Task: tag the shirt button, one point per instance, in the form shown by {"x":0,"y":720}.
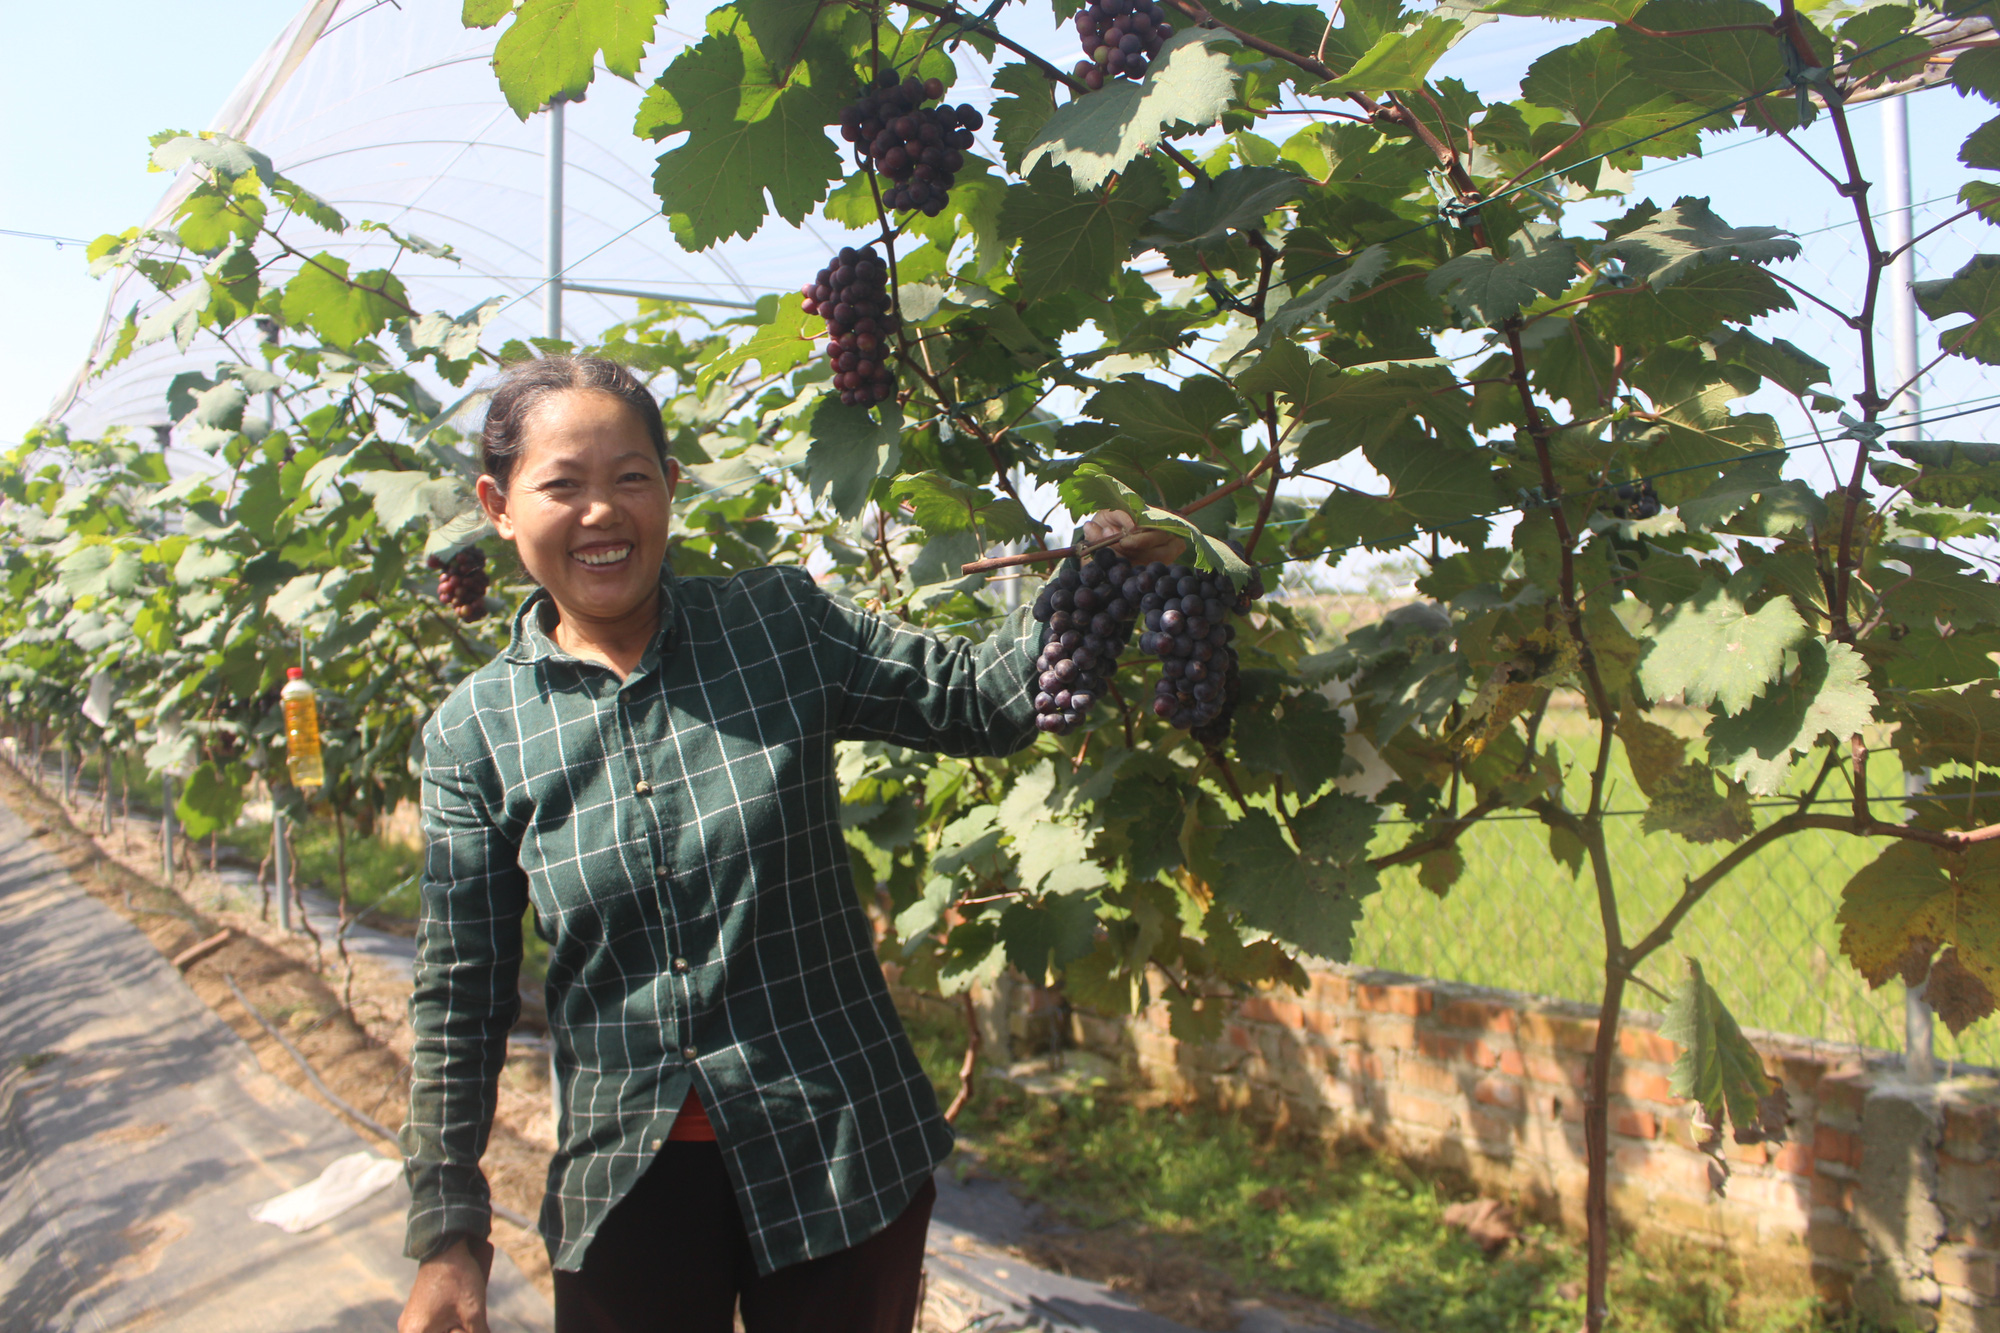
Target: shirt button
{"x":680,"y":964}
{"x":643,"y":789}
{"x":660,"y":871}
{"x":689,"y":1052}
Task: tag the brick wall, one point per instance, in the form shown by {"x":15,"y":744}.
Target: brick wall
{"x":1885,"y":1194}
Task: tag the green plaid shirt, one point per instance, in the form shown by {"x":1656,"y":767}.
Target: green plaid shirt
{"x":678,"y":833}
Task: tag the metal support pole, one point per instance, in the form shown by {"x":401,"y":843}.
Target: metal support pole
{"x":167,"y":828}
{"x":281,"y":861}
{"x":553,"y":264}
{"x":1919,"y":1064}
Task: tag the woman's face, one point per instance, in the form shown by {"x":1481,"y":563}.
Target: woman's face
{"x":587,"y":508}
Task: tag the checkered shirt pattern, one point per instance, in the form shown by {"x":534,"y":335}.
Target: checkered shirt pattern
{"x":678,"y":833}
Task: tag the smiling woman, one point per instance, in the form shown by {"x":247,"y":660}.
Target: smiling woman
{"x":578,"y":478}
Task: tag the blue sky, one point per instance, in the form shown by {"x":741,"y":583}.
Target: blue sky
{"x":86,"y":85}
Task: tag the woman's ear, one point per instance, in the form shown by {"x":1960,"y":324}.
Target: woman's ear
{"x":494,"y":501}
{"x":673,"y":479}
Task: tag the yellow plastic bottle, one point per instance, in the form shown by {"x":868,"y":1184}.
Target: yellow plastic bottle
{"x":302,"y":757}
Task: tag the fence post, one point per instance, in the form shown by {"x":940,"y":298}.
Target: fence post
{"x":1919,"y":1065}
{"x":281,"y":857}
{"x":167,"y":828}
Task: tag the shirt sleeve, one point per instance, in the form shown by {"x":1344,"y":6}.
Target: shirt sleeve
{"x":919,"y":689}
{"x":465,"y":1000}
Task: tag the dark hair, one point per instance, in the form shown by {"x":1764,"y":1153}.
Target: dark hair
{"x":521,"y":389}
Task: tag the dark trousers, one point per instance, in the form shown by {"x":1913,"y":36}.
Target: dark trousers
{"x":673,"y":1257}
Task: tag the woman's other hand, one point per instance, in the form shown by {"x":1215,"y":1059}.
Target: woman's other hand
{"x":1139,"y":546}
{"x":449,"y":1295}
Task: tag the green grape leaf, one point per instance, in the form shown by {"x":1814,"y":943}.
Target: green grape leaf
{"x":343,"y":310}
{"x":484,"y":13}
{"x":1368,"y":268}
{"x":1310,"y":898}
{"x":942,"y":504}
{"x":1096,"y":134}
{"x":1681,"y":797}
{"x":1902,"y":907}
{"x":1827,"y":692}
{"x":208,"y":802}
{"x":1777,"y":360}
{"x":1399,"y":61}
{"x":1208,"y":210}
{"x":1981,"y":148}
{"x":1921,"y":587}
{"x":1302,"y":739}
{"x":226,"y":158}
{"x":1672,"y":243}
{"x":1715,"y":68}
{"x":1040,"y":938}
{"x":99,"y":571}
{"x":784,"y":338}
{"x":1487,"y":291}
{"x":1054,"y":857}
{"x":1717,"y":1067}
{"x":210,"y":219}
{"x":1959,"y":725}
{"x":849,"y":451}
{"x":1712,"y":649}
{"x":1368,"y":403}
{"x":1019,"y":118}
{"x":1597,"y":11}
{"x":1171,"y":420}
{"x":1974,"y":290}
{"x":1977,"y":73}
{"x":551,"y":48}
{"x":401,"y":498}
{"x":1069,"y":241}
{"x":748,"y":132}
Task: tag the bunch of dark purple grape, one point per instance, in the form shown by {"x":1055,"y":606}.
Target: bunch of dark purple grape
{"x":1120,"y":38}
{"x":1636,"y":500}
{"x":462,"y":582}
{"x":1089,"y":607}
{"x":919,"y":148}
{"x":1187,"y":629}
{"x":852,"y":295}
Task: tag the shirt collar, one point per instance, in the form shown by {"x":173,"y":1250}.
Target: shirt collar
{"x":532,"y":640}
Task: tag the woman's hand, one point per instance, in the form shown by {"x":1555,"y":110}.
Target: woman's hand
{"x":449,"y":1295}
{"x":1138,"y":547}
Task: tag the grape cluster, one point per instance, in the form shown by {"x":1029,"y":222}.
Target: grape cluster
{"x":1187,"y":629}
{"x":852,"y":295}
{"x":1120,"y":37}
{"x":1636,"y":500}
{"x":462,"y":582}
{"x":920,"y":148}
{"x":1089,"y":607}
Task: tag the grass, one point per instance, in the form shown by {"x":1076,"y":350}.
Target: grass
{"x":1766,"y":936}
{"x":1350,"y":1228}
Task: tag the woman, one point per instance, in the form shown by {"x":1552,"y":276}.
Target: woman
{"x":650,"y":764}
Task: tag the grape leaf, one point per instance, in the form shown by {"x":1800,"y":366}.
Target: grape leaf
{"x":1923,"y":587}
{"x":1974,"y":290}
{"x":343,"y":310}
{"x":403,"y":497}
{"x":484,"y":13}
{"x":1717,"y":1067}
{"x":1018,"y":118}
{"x":1070,"y":242}
{"x":1212,"y":207}
{"x":225,"y":157}
{"x":551,"y":48}
{"x":1399,"y":61}
{"x":1716,"y":68}
{"x":1311,"y":898}
{"x":1041,"y":937}
{"x":1096,"y":134}
{"x":1900,"y":908}
{"x":1486,"y":291}
{"x":1172,"y":420}
{"x":1368,"y":268}
{"x":1305,"y":744}
{"x":943,"y":504}
{"x":1599,"y":11}
{"x":849,"y":451}
{"x":748,"y":132}
{"x":1961,"y":725}
{"x":97,"y":571}
{"x":209,"y":801}
{"x":784,"y":338}
{"x":1826,"y":692}
{"x":1711,"y":649}
{"x":1981,"y":148}
{"x":1670,"y":245}
{"x":1368,"y":402}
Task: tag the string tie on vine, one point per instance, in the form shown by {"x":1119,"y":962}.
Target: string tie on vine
{"x":1868,"y":433}
{"x":1805,"y":80}
{"x":1534,"y":497}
